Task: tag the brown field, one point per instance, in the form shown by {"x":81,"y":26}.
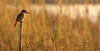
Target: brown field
{"x":45,"y":31}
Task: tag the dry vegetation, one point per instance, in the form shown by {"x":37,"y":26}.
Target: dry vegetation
{"x":45,"y":31}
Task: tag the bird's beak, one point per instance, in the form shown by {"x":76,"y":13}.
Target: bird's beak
{"x":28,"y":13}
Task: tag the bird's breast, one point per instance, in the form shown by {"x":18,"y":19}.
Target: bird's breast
{"x":24,"y":15}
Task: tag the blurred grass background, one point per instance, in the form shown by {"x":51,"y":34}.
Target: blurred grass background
{"x":46,"y":31}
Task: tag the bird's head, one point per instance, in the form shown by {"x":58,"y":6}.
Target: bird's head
{"x":24,"y":11}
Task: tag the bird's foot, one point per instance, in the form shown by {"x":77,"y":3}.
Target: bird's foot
{"x":21,"y":21}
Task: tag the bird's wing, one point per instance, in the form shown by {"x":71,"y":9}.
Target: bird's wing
{"x":19,"y":15}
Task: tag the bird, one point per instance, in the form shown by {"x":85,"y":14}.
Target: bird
{"x":21,"y":16}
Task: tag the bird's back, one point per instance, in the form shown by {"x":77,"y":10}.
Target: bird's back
{"x":20,"y":17}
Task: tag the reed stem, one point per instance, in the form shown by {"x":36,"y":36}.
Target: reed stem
{"x":20,"y":32}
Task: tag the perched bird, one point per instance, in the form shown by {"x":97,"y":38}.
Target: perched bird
{"x":21,"y":16}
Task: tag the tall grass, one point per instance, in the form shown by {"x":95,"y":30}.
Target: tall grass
{"x":45,"y":31}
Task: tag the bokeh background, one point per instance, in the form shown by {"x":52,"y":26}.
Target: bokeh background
{"x":54,"y":25}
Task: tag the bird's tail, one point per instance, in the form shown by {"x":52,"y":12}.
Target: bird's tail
{"x":15,"y":24}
